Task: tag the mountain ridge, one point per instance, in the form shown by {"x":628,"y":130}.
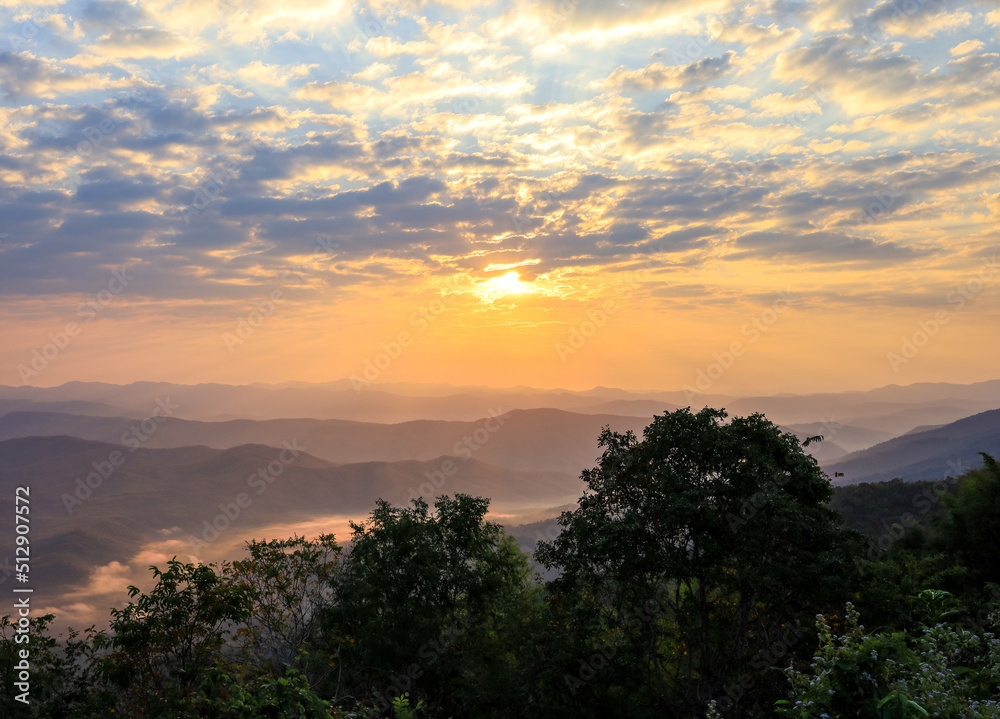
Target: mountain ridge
{"x":932,"y":454}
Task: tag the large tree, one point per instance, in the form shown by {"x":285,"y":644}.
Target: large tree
{"x":163,"y":644}
{"x":695,"y":556}
{"x":427,"y":603}
{"x":971,"y":526}
{"x":293,"y":581}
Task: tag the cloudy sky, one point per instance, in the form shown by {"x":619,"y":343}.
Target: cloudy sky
{"x":783,"y":195}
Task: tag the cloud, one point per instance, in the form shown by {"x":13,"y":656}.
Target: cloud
{"x":385,"y":47}
{"x":657,"y":76}
{"x":341,"y":95}
{"x":143,"y":42}
{"x":860,"y":77}
{"x":274,"y":75}
{"x":435,"y":140}
{"x":779,"y":105}
{"x":759,"y":42}
{"x":22,"y":74}
{"x":923,"y":19}
{"x":596,"y":23}
{"x":964,"y":48}
{"x":253,"y":21}
{"x":820,"y":247}
{"x":112,"y":15}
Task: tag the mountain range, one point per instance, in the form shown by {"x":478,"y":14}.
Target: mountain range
{"x":892,"y":409}
{"x":538,"y":439}
{"x":94,"y":503}
{"x":934,"y":453}
{"x":185,"y":457}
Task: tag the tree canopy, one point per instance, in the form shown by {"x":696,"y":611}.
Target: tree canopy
{"x":704,"y":573}
{"x":700,"y":545}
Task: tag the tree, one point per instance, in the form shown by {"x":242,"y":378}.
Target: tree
{"x":970,"y":529}
{"x":163,"y":645}
{"x":59,"y":673}
{"x":939,"y":669}
{"x":292,"y":581}
{"x":422,"y":595}
{"x":695,"y":561}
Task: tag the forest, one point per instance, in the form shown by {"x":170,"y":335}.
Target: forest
{"x":709,"y":570}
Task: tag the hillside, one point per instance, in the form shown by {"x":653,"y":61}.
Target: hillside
{"x":932,"y":454}
{"x":892,"y":409}
{"x":527,"y":440}
{"x":156,"y":495}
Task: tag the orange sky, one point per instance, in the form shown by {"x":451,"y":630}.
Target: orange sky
{"x":555,"y":194}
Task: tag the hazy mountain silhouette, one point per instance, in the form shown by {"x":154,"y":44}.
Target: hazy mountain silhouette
{"x":335,"y":400}
{"x":630,"y":407}
{"x":891,"y":409}
{"x":94,"y":409}
{"x":931,"y":454}
{"x":539,"y":439}
{"x":157,"y":493}
{"x":844,"y":438}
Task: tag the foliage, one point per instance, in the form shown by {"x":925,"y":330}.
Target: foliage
{"x":264,"y":697}
{"x":687,"y":583}
{"x":61,"y":677}
{"x":401,"y":708}
{"x":292,"y":581}
{"x":698,"y":546}
{"x":163,"y":644}
{"x":970,"y":529}
{"x":943,"y":670}
{"x":420,"y":591}
{"x":883,"y":509}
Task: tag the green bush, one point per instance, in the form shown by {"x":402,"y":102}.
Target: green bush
{"x":942,"y":670}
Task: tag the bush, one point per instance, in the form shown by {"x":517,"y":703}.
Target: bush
{"x":944,"y":670}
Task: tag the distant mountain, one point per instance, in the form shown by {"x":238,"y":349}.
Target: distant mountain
{"x":536,"y":439}
{"x":932,"y":454}
{"x":924,"y":428}
{"x":94,"y":409}
{"x":630,"y":408}
{"x":336,"y":400}
{"x":846,"y":438}
{"x":892,"y":409}
{"x":18,"y":424}
{"x":897,"y":420}
{"x":892,"y":417}
{"x":825,"y":451}
{"x":988,"y":391}
{"x":156,"y":494}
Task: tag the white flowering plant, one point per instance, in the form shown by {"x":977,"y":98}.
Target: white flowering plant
{"x":940,"y":670}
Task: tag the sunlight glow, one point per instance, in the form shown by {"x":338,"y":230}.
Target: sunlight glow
{"x":506,"y":284}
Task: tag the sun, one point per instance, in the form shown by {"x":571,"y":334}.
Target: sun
{"x":507,"y":284}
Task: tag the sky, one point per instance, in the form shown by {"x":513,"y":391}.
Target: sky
{"x":764,"y":197}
